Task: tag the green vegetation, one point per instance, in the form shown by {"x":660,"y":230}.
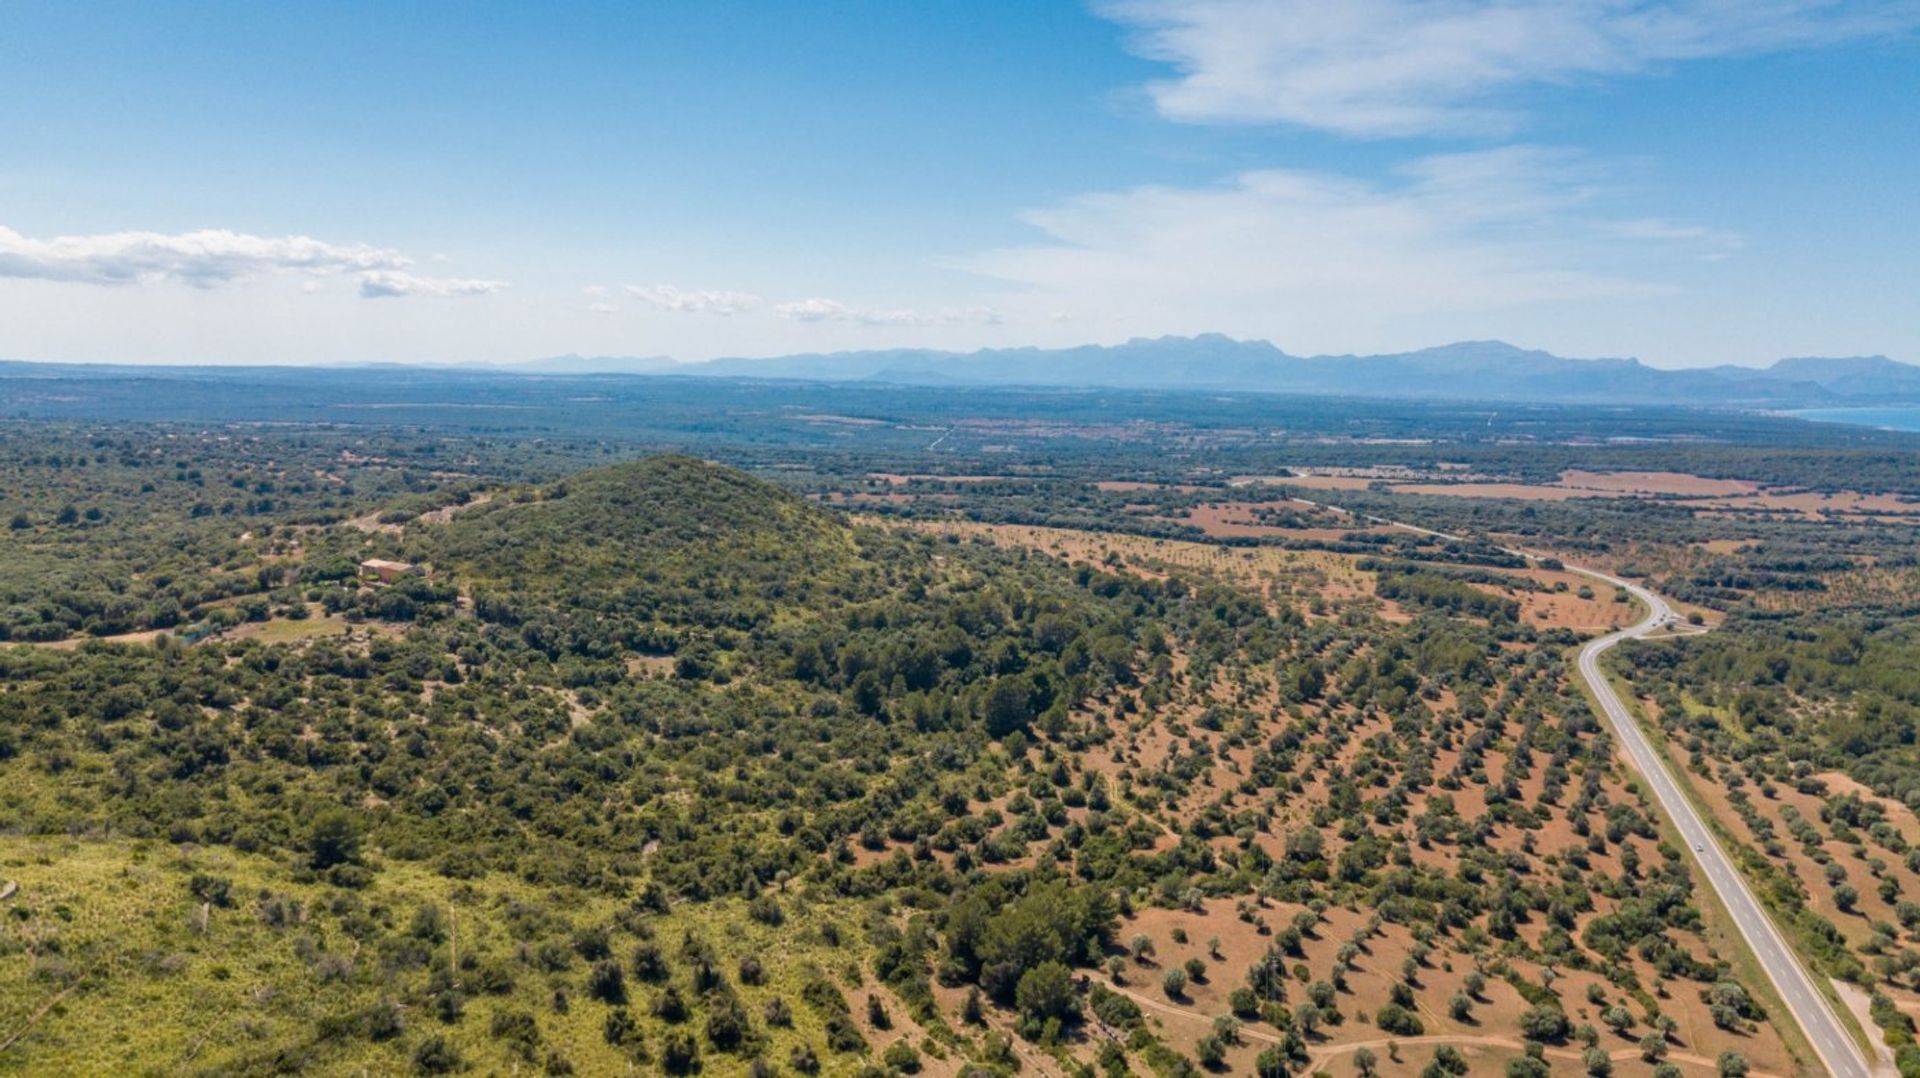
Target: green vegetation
{"x":662,"y":766}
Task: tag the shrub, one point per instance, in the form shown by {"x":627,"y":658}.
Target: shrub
{"x":606,"y":983}
{"x":1399,"y":1021}
{"x":678,"y":1053}
{"x":1543,"y":1023}
{"x":435,"y":1056}
{"x":902,"y":1057}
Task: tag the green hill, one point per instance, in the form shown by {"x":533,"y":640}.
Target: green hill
{"x":664,"y":540}
{"x":613,"y":525}
{"x":489,"y":841}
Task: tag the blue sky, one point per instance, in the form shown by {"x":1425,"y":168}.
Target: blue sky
{"x":1689,"y":181}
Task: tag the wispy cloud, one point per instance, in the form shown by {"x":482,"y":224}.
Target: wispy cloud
{"x":387,"y":284}
{"x":813,"y":309}
{"x":1286,"y":253}
{"x":1710,"y":244}
{"x":1383,"y":68}
{"x":818,"y":309}
{"x":695,"y":301}
{"x":208,"y":258}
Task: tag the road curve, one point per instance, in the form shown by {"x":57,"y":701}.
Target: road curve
{"x":1838,"y":1052}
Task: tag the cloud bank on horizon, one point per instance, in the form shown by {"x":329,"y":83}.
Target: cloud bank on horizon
{"x":1342,"y":177}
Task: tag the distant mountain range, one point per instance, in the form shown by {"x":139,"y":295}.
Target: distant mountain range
{"x":1467,"y":371}
{"x":1470,"y":370}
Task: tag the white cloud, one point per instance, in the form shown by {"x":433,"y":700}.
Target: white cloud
{"x":1380,"y":68}
{"x":695,"y":301}
{"x":1295,"y":254}
{"x":203,"y":259}
{"x":817,"y":309}
{"x":814,"y":309}
{"x":386,"y":284}
{"x":210,"y":257}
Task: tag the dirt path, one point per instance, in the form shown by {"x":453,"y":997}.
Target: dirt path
{"x":142,"y":636}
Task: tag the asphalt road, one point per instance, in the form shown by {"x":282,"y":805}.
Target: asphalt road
{"x":1837,"y":1051}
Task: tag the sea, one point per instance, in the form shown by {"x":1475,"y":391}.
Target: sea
{"x":1884,"y":418}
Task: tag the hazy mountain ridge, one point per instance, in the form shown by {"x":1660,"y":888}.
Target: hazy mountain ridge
{"x":1467,"y":370}
{"x":1463,"y":371}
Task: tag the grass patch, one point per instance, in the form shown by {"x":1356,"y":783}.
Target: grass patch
{"x":303,"y":974}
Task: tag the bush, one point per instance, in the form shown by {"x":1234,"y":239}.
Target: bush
{"x":435,"y":1056}
{"x":678,"y":1053}
{"x":902,"y":1057}
{"x":1546,"y":1024}
{"x":606,"y":983}
{"x":1399,"y":1021}
{"x":727,"y":1022}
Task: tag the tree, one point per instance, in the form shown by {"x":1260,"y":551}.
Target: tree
{"x":1307,"y":1019}
{"x":1364,"y":1061}
{"x":1271,"y":1063}
{"x":1399,"y":1021}
{"x":334,"y":839}
{"x":1544,"y":1024}
{"x":1046,"y":991}
{"x":1175,"y":982}
{"x":1732,"y":1065}
{"x":1009,"y":706}
{"x":1305,"y":844}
